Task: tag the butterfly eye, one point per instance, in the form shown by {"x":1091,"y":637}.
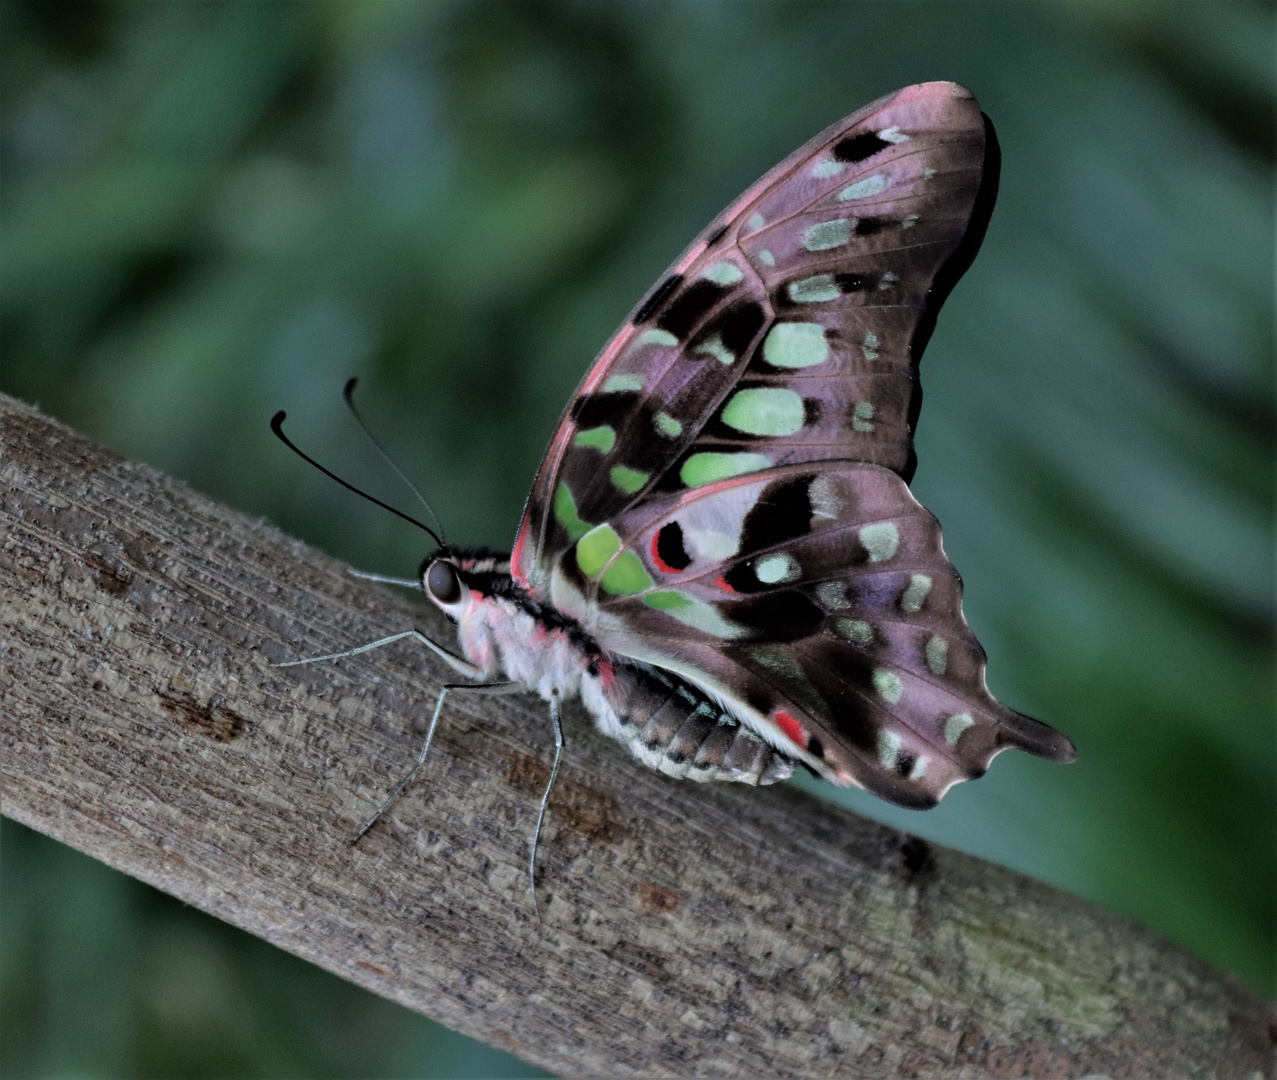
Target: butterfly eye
{"x":443,"y":583}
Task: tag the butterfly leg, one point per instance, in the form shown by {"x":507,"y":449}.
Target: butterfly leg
{"x":460,"y":666}
{"x":482,"y":688}
{"x":403,"y":583}
{"x":545,"y":801}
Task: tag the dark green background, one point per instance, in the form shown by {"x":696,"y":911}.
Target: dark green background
{"x":212,"y":211}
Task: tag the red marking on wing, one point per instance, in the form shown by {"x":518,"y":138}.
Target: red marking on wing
{"x":661,"y":564}
{"x":721,"y":582}
{"x":517,"y":569}
{"x":791,"y":727}
{"x":607,"y":675}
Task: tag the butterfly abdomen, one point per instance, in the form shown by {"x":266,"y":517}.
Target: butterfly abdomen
{"x":673,"y":728}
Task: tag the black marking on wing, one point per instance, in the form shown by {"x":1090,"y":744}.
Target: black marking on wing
{"x":779,"y":615}
{"x":570,"y":570}
{"x":613,"y":408}
{"x":738,"y":326}
{"x":867,"y":226}
{"x":742,"y":579}
{"x":692,"y":305}
{"x":858,"y":147}
{"x":851,"y":718}
{"x":659,"y":295}
{"x":850,"y":283}
{"x":716,"y":236}
{"x":670,"y":549}
{"x":783,"y":511}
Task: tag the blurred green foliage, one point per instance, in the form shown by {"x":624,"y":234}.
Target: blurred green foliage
{"x":214,"y":210}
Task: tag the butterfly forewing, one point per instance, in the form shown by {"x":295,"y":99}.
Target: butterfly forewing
{"x":726,"y":497}
{"x":784,"y":333}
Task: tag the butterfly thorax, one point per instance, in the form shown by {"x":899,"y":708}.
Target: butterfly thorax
{"x":504,"y":631}
{"x":669,"y":724}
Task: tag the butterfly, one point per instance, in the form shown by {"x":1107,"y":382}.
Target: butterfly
{"x":721,"y":555}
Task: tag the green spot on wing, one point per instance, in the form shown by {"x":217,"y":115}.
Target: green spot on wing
{"x":692,"y":612}
{"x":599,"y":438}
{"x":595,"y":548}
{"x":626,"y":575}
{"x":723,"y":273}
{"x":857,"y":631}
{"x":824,"y":169}
{"x":706,"y":468}
{"x":774,"y":569}
{"x":796,"y":345}
{"x":619,"y":383}
{"x":814,"y":290}
{"x":955,"y":725}
{"x":827,"y":234}
{"x":881,"y":540}
{"x":765,"y":410}
{"x":565,"y":513}
{"x":666,"y":425}
{"x":937,"y":654}
{"x":888,"y":748}
{"x":862,"y":189}
{"x":656,"y":337}
{"x":667,"y":601}
{"x":627,"y":479}
{"x":833,"y":594}
{"x":713,"y":346}
{"x":915,"y":592}
{"x":888,"y":685}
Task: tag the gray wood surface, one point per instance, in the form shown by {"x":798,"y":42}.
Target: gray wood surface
{"x":688,"y":929}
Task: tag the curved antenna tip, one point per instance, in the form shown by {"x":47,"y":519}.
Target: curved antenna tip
{"x":348,"y":394}
{"x":277,"y":426}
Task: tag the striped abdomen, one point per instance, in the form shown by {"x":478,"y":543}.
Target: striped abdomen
{"x":674,"y":728}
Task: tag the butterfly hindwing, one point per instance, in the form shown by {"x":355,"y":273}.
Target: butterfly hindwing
{"x":817,"y":600}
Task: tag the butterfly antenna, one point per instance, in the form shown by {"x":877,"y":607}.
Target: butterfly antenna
{"x":277,"y":426}
{"x":348,"y":393}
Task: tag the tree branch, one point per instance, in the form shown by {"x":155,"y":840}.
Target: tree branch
{"x":688,"y":929}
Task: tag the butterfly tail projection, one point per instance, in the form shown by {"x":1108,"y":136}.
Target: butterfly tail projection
{"x":1034,"y":737}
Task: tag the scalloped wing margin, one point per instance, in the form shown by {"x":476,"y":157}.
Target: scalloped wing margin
{"x":817,"y":605}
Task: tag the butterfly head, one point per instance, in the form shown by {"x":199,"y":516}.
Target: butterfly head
{"x":441,"y":581}
{"x":452,"y":579}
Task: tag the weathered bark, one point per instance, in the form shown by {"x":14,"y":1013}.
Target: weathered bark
{"x":688,"y":929}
